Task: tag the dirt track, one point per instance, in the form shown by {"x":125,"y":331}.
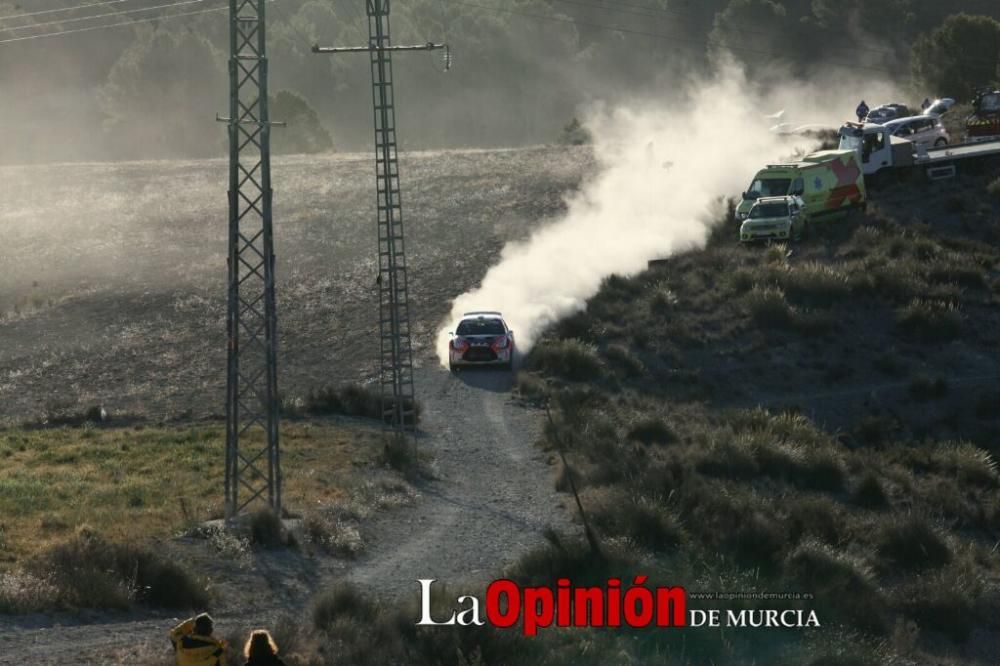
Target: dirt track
{"x":493,"y":496}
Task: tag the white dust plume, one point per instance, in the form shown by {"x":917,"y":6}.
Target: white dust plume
{"x":660,"y":167}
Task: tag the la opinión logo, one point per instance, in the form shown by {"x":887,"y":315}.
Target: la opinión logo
{"x":636,"y":605}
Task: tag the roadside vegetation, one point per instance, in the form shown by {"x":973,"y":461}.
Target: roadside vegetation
{"x":90,"y":511}
{"x":815,"y":418}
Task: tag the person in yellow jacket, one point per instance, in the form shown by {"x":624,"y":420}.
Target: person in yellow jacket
{"x":194,"y":644}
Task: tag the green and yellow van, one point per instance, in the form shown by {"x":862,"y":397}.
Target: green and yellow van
{"x":830,"y":183}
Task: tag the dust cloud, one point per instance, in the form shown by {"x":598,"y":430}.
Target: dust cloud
{"x":660,"y":167}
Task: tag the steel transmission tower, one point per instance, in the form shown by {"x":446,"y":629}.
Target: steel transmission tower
{"x":395,"y":364}
{"x":253,"y":469}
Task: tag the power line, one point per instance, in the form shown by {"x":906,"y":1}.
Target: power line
{"x":97,"y":16}
{"x":61,"y":9}
{"x":113,"y":25}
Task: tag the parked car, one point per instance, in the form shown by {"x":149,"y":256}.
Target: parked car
{"x":926,"y":131}
{"x":775,"y":218}
{"x":939,"y":107}
{"x":886,"y":112}
{"x":481,"y":339}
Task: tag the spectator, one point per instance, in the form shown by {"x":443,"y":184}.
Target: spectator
{"x":261,"y":650}
{"x":925,"y":104}
{"x":194,"y":644}
{"x":862,"y":111}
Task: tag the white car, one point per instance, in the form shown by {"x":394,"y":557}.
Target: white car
{"x":775,"y":218}
{"x":481,"y":339}
{"x":939,"y":107}
{"x":926,"y":131}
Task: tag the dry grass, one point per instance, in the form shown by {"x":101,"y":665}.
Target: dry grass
{"x":130,"y":484}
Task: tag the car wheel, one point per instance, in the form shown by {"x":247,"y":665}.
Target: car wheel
{"x":941,"y":142}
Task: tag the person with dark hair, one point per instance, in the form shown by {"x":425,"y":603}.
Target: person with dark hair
{"x":261,"y":650}
{"x":194,"y":644}
{"x":861,"y":111}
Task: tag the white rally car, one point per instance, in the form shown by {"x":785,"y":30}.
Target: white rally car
{"x":481,"y":339}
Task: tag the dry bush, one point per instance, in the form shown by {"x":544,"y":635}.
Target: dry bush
{"x":266,"y":530}
{"x":814,"y":284}
{"x":843,"y":584}
{"x":769,"y":309}
{"x":89,"y":572}
{"x":572,"y":360}
{"x":929,"y":321}
{"x":911,"y":545}
{"x":869,"y":493}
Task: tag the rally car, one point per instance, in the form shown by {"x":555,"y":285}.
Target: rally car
{"x":481,"y":339}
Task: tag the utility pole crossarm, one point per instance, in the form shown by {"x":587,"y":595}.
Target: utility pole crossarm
{"x":429,"y":46}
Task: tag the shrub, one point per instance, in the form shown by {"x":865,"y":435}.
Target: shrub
{"x":911,"y":545}
{"x":400,"y":453}
{"x":572,"y":360}
{"x":266,"y":529}
{"x":624,"y":359}
{"x":640,"y":520}
{"x":970,"y":464}
{"x":652,"y":430}
{"x":869,"y":493}
{"x":90,"y":572}
{"x":340,"y":602}
{"x":929,"y":321}
{"x":531,"y":388}
{"x":839,"y":581}
{"x":957,"y":271}
{"x":768,"y":308}
{"x":816,"y":285}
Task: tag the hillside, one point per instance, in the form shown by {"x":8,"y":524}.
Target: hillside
{"x":820,"y":418}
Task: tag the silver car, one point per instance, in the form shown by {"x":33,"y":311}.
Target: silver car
{"x":926,"y":131}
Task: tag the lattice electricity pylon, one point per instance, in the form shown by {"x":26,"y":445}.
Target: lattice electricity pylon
{"x":395,"y":363}
{"x":253,"y":469}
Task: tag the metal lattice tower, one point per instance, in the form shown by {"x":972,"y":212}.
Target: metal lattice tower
{"x":253,"y":468}
{"x":395,"y":361}
{"x":395,"y":365}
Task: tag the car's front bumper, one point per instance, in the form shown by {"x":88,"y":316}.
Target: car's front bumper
{"x":771,"y":232}
{"x":478,"y":356}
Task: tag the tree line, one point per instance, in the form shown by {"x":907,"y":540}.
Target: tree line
{"x":521,"y":68}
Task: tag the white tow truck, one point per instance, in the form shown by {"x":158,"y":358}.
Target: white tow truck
{"x":881,"y":153}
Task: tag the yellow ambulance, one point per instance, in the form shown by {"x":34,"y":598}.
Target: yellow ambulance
{"x":829,"y":182}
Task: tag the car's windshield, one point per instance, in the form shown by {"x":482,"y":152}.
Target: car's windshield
{"x":484,"y":326}
{"x":768,"y":187}
{"x":989,"y":103}
{"x":769,"y":210}
{"x":937,"y":108}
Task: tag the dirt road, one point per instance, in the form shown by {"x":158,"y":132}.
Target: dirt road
{"x":492,"y":496}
